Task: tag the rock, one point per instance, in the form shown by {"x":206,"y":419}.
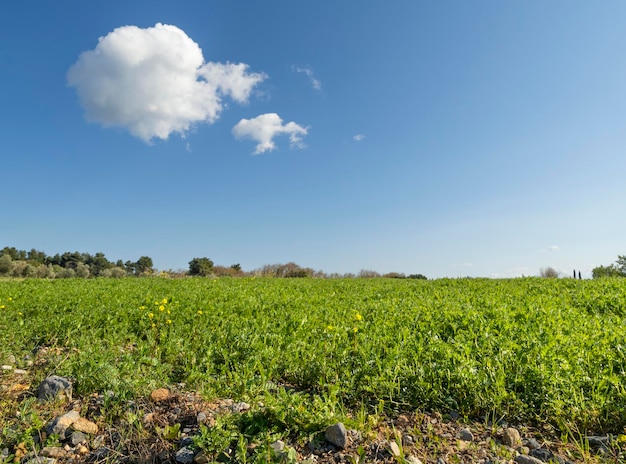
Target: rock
{"x":148,"y":418}
{"x":53,"y":452}
{"x":41,"y":460}
{"x":84,"y":425}
{"x":278,"y":446}
{"x":11,"y":359}
{"x":201,"y":458}
{"x":184,"y":456}
{"x":82,"y":449}
{"x":511,"y":437}
{"x":597,"y":441}
{"x":239,"y":407}
{"x":77,"y":438}
{"x":6,"y":367}
{"x":541,"y":453}
{"x":394,"y":449}
{"x":19,"y":371}
{"x":523,"y":459}
{"x":54,"y":387}
{"x":160,"y":394}
{"x":466,"y":435}
{"x":533,"y":444}
{"x":408,"y":440}
{"x":413,"y":460}
{"x":523,"y":450}
{"x":337,"y":435}
{"x":201,"y":418}
{"x":60,"y":425}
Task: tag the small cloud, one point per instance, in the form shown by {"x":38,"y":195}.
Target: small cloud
{"x":463,"y":265}
{"x":358,"y":137}
{"x":154,"y":82}
{"x":317,"y":85}
{"x":550,"y":248}
{"x":265,"y":127}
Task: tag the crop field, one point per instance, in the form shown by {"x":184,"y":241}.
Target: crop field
{"x":542,"y":351}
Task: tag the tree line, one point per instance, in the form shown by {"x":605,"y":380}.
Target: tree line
{"x":617,"y":269}
{"x":36,"y":263}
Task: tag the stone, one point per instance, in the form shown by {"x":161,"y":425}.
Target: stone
{"x":542,"y":454}
{"x":466,"y":435}
{"x":533,"y":444}
{"x":201,"y":418}
{"x":408,"y":440}
{"x":84,"y":425}
{"x":511,"y":437}
{"x":77,"y":438}
{"x":6,"y":367}
{"x":53,"y":452}
{"x":278,"y":446}
{"x":523,"y":459}
{"x":413,"y":460}
{"x":337,"y":435}
{"x":54,"y":387}
{"x":239,"y":407}
{"x":41,"y":460}
{"x":201,"y":458}
{"x":82,"y":449}
{"x":20,"y":371}
{"x":597,"y":441}
{"x":60,"y":425}
{"x":160,"y":394}
{"x":394,"y":449}
{"x":184,"y":456}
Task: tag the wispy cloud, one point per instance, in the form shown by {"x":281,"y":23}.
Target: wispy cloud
{"x":154,"y":82}
{"x":358,"y":137}
{"x":550,"y":248}
{"x":265,"y":127}
{"x":317,"y":85}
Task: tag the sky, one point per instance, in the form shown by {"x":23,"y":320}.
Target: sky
{"x":451,"y":139}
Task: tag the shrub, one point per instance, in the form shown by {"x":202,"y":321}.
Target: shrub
{"x":548,"y":272}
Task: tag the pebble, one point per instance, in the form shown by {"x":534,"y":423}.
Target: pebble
{"x":523,"y":459}
{"x":77,"y":438}
{"x":6,"y":367}
{"x":84,"y":425}
{"x":184,"y":456}
{"x":53,"y":452}
{"x":533,"y":444}
{"x":160,"y":394}
{"x":239,"y":407}
{"x":394,"y":449}
{"x":337,"y":435}
{"x":511,"y":437}
{"x":466,"y":435}
{"x":413,"y":460}
{"x":278,"y":446}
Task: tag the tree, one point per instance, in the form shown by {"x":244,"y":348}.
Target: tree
{"x":548,"y":273}
{"x":144,"y":265}
{"x":606,"y":271}
{"x":6,"y":264}
{"x":200,"y":267}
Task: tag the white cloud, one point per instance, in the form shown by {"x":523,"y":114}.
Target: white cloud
{"x":317,"y":85}
{"x":265,"y":127}
{"x":154,"y":82}
{"x":358,"y":137}
{"x":550,"y":248}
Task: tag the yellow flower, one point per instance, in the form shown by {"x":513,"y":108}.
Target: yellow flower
{"x":10,"y":299}
{"x":161,"y":308}
{"x":142,"y":307}
{"x":164,"y":301}
{"x":355,"y":330}
{"x":156,"y":303}
{"x":329,"y":327}
{"x":358,"y":317}
{"x":169,"y":321}
{"x":169,"y":312}
{"x":150,"y":315}
{"x":153,"y":325}
{"x":2,"y":306}
{"x":199,"y":312}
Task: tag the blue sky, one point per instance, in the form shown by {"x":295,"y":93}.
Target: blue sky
{"x":443,"y":138}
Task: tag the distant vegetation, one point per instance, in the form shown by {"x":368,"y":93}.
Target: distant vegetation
{"x":612,"y":270}
{"x":35,"y":263}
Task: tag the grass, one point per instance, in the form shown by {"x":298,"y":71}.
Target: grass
{"x":535,"y":350}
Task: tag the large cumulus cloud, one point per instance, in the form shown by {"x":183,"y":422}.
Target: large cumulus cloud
{"x":154,"y":82}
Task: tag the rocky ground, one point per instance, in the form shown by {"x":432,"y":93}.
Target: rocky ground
{"x":161,"y":429}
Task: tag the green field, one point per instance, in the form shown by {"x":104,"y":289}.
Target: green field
{"x":535,"y":350}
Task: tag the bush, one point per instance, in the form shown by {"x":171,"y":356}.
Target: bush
{"x":6,"y":264}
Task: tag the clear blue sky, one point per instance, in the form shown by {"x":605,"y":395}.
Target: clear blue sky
{"x":444,"y":138}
